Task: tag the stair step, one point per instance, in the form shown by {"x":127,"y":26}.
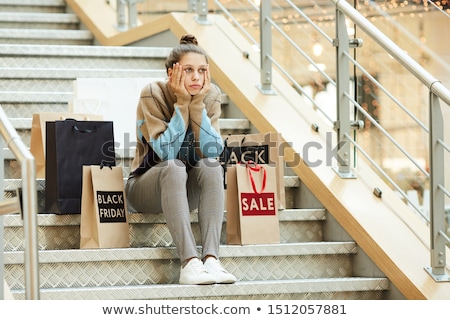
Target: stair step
{"x":11,"y":185}
{"x":72,"y":74}
{"x":61,"y":220}
{"x":225,"y":123}
{"x":83,"y":53}
{"x":61,"y":232}
{"x":294,"y":289}
{"x":42,"y":97}
{"x":83,"y":57}
{"x":31,"y":20}
{"x":163,"y":253}
{"x":35,"y":97}
{"x":56,"y":67}
{"x":23,"y":126}
{"x":143,"y":266}
{"x":46,"y":36}
{"x":55,"y":6}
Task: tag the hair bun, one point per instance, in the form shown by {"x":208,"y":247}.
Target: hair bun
{"x":188,"y":39}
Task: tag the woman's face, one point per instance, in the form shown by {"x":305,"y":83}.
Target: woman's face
{"x":195,"y":66}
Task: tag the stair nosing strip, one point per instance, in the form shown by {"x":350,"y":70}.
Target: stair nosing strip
{"x":39,"y":17}
{"x":225,"y":123}
{"x":240,"y":288}
{"x":57,"y":220}
{"x":73,"y":74}
{"x":13,"y":184}
{"x":170,"y":252}
{"x":41,"y":3}
{"x":87,"y":51}
{"x":35,"y":97}
{"x":46,"y":34}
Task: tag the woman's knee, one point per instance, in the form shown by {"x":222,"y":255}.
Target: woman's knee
{"x":173,"y":172}
{"x":210,"y":170}
{"x":173,"y":166}
{"x":211,"y":165}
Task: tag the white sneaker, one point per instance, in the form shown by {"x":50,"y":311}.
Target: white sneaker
{"x":195,"y":273}
{"x":221,"y":275}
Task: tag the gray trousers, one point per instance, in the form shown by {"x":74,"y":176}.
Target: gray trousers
{"x":168,"y":188}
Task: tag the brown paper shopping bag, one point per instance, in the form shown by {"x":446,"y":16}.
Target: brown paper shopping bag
{"x":37,"y":142}
{"x":257,"y":199}
{"x":260,"y":148}
{"x":232,"y":226}
{"x":104,"y":218}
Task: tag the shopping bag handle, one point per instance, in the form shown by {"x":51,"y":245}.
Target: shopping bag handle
{"x":95,"y":129}
{"x":105,"y":163}
{"x":252,"y":167}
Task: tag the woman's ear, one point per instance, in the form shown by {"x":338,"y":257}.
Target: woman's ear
{"x":169,"y":72}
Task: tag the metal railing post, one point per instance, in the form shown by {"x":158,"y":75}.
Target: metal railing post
{"x":201,"y":8}
{"x":342,"y":124}
{"x":121,"y":16}
{"x":29,"y":204}
{"x":122,"y":7}
{"x":29,"y":199}
{"x":266,"y":48}
{"x":132,"y":13}
{"x":437,"y":195}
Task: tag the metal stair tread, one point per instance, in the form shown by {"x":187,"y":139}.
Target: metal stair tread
{"x":11,"y":33}
{"x":71,"y":73}
{"x":83,"y":51}
{"x":43,"y":97}
{"x":13,"y":184}
{"x":39,"y":3}
{"x":165,"y":253}
{"x":240,"y":288}
{"x":8,"y":155}
{"x":225,"y":123}
{"x":37,"y":17}
{"x":50,"y":219}
{"x":35,"y":97}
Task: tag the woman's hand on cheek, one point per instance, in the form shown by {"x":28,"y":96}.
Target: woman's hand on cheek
{"x":206,"y":83}
{"x":176,"y":82}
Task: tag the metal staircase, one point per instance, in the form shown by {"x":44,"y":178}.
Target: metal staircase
{"x":37,"y":69}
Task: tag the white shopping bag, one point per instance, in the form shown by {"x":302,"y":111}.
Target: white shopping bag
{"x":115,"y":99}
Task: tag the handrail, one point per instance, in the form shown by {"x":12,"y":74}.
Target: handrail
{"x":407,"y":33}
{"x":394,"y":99}
{"x":386,"y":43}
{"x":438,"y":7}
{"x":29,"y":204}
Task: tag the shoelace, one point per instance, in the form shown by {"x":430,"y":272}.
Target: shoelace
{"x":218,"y":266}
{"x":198,"y":267}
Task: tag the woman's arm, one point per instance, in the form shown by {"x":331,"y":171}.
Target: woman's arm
{"x":164,"y":132}
{"x":204,"y":114}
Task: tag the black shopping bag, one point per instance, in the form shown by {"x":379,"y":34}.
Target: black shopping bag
{"x":71,"y":144}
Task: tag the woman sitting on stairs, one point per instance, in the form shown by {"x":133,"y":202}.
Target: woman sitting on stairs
{"x":175,"y":168}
